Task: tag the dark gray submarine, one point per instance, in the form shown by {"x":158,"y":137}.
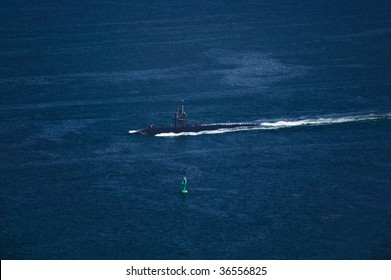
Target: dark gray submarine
{"x":182,"y":124}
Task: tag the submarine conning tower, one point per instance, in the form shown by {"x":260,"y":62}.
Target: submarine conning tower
{"x":181,"y":118}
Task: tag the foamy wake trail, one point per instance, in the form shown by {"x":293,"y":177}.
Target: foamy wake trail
{"x":325,"y":121}
{"x":279,"y":124}
{"x":132,"y":131}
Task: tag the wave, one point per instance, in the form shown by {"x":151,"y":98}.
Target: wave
{"x":285,"y":123}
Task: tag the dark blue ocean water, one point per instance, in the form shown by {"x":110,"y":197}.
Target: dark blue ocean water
{"x":313,"y":183}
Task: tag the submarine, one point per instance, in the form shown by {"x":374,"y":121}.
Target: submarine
{"x":182,"y":124}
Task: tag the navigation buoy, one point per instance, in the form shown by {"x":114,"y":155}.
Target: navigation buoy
{"x":184,"y":185}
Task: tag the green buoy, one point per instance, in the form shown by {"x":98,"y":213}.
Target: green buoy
{"x":184,"y":185}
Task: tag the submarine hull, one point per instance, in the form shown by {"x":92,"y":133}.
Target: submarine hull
{"x":152,"y":131}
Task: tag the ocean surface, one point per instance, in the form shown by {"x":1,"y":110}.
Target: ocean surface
{"x":312,"y":181}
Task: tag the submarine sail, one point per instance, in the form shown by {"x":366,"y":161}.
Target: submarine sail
{"x":181,"y":117}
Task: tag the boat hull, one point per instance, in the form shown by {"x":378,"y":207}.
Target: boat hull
{"x":152,"y":131}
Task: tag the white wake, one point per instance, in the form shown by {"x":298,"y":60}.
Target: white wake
{"x":325,"y":121}
{"x":285,"y":123}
